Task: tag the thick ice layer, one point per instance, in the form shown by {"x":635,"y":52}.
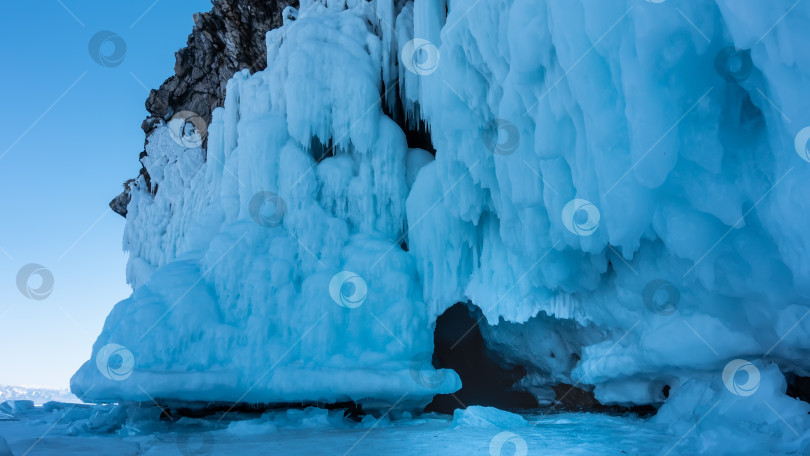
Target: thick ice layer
{"x":240,"y":262}
{"x":63,"y":430}
{"x":623,"y":175}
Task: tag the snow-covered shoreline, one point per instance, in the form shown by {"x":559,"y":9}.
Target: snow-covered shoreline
{"x":38,"y":395}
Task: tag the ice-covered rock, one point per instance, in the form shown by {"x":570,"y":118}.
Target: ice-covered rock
{"x":210,"y":267}
{"x":476,"y":416}
{"x":627,"y":177}
{"x":251,"y":427}
{"x":10,"y":410}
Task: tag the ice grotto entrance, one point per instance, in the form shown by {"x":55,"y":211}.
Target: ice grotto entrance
{"x":459,"y":345}
{"x":489,"y":380}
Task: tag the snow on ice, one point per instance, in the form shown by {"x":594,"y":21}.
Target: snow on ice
{"x":80,"y":429}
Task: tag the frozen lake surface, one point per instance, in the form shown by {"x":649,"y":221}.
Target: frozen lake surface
{"x":69,"y":429}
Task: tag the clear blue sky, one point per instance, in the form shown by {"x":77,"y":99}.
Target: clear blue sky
{"x":69,"y":137}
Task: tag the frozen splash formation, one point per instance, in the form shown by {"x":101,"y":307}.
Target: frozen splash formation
{"x":620,"y":187}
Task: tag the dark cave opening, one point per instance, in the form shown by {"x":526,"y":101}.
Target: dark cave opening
{"x":487,"y":381}
{"x":798,"y":387}
{"x":458,"y":345}
{"x":173,"y":410}
{"x":417,"y":132}
{"x":418,"y":135}
{"x":320,"y":150}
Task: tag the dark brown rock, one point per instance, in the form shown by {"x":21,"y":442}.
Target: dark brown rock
{"x":227,"y":39}
{"x":119,"y":203}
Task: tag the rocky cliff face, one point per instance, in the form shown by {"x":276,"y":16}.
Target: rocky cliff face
{"x":225,"y":40}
